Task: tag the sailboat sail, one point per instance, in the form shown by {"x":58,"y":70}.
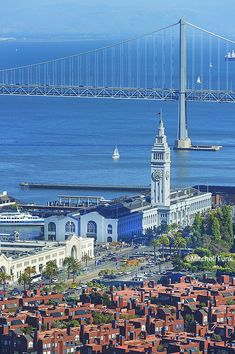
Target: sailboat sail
{"x":116,"y":154}
{"x":198,"y":80}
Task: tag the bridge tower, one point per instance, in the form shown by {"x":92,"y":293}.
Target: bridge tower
{"x":183,"y":141}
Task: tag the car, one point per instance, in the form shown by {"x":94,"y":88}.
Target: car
{"x":137,"y":278}
{"x":83,"y":286}
{"x":150,"y":264}
{"x":96,"y":280}
{"x":149,"y":275}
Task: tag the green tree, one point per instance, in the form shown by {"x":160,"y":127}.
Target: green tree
{"x":72,"y":266}
{"x":164,"y":242}
{"x":216,"y":337}
{"x":86,"y":258}
{"x":30,"y":271}
{"x":202,"y":252}
{"x":202,"y":305}
{"x":179,"y":264}
{"x":180,"y":243}
{"x":197,"y":230}
{"x":227,"y":224}
{"x":4,"y":278}
{"x":212,"y":226}
{"x":73,"y":323}
{"x":105,"y":272}
{"x":24,"y":279}
{"x":189,"y":319}
{"x":59,"y":287}
{"x":100,"y":318}
{"x":160,"y":348}
{"x":173,"y":227}
{"x":230,"y":302}
{"x":215,"y":229}
{"x":155,"y":243}
{"x":51,"y":270}
{"x":98,"y":298}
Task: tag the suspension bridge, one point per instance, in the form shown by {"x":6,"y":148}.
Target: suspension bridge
{"x":181,"y":62}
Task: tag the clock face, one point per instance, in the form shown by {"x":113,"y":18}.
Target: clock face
{"x":156,"y":175}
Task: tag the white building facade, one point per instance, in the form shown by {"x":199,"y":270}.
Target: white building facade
{"x":99,"y":226}
{"x":39,"y":254}
{"x":60,"y":227}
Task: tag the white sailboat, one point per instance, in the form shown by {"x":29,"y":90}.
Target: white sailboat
{"x":116,"y":154}
{"x":198,"y":80}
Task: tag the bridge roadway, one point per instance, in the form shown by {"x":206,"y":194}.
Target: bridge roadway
{"x":166,"y":94}
{"x":116,"y":188}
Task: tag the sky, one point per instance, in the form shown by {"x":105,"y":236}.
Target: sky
{"x":53,"y":17}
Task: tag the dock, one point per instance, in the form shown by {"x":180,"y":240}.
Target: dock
{"x":94,"y":187}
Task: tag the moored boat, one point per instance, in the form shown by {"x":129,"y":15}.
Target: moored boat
{"x":18,"y":218}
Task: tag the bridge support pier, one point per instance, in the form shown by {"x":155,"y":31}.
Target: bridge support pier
{"x":183,"y":141}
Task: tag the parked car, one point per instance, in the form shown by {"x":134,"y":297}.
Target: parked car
{"x":149,"y":275}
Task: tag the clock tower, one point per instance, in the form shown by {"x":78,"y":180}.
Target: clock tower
{"x":160,"y":169}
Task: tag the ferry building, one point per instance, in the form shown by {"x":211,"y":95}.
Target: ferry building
{"x":130,"y":218}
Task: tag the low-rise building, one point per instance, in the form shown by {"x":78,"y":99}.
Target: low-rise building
{"x":18,"y":255}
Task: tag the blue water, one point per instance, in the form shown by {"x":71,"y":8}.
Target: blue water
{"x":71,"y":140}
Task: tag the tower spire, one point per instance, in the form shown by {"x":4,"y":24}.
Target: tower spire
{"x":161,"y":130}
{"x":160,"y":168}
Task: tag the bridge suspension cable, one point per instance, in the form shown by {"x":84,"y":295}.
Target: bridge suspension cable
{"x":129,"y":63}
{"x":144,"y":67}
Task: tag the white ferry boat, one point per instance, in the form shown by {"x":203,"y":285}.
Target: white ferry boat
{"x":17,"y":218}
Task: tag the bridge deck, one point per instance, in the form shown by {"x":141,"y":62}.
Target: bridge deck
{"x":167,"y":94}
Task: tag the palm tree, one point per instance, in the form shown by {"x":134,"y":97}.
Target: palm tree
{"x":155,"y":243}
{"x":30,"y":271}
{"x":86,"y":258}
{"x":164,"y":241}
{"x":179,"y":243}
{"x":72,"y":266}
{"x":67,"y":264}
{"x":51,"y":270}
{"x":24,"y":279}
{"x":4,"y":277}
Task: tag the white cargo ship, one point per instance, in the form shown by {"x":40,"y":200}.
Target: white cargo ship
{"x":17,"y":218}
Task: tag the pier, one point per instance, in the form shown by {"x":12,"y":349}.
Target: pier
{"x":94,"y":187}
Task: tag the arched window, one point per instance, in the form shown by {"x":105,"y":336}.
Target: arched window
{"x":74,"y":252}
{"x":92,"y":228}
{"x":70,"y":227}
{"x":110,"y":229}
{"x":51,"y":227}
